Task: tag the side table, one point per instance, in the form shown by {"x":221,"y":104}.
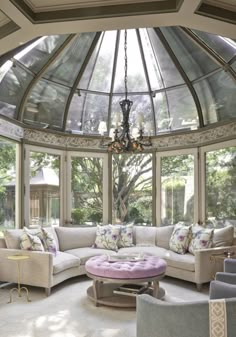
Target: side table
{"x":19,"y":259}
{"x":218,"y":259}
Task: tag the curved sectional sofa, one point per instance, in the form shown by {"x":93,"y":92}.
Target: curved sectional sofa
{"x":74,"y":248}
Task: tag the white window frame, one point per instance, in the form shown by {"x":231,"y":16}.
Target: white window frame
{"x":159,"y":155}
{"x":68,"y":193}
{"x":60,"y":153}
{"x":203,"y":151}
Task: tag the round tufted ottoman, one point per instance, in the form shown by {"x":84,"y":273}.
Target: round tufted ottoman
{"x":107,"y":275}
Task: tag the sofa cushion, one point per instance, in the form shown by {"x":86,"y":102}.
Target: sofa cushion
{"x":223,"y":237}
{"x":145,"y":235}
{"x":70,"y":238}
{"x":48,"y":241}
{"x":107,"y":237}
{"x":86,"y":252}
{"x":185,"y":261}
{"x":163,"y":235}
{"x":63,"y":261}
{"x":180,"y":238}
{"x":201,"y":238}
{"x":12,"y":237}
{"x":157,"y":251}
{"x":52,"y":231}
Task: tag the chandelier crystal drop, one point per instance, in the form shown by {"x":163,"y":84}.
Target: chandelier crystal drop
{"x":123,"y":141}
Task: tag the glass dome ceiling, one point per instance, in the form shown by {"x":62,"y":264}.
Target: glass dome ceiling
{"x":178,"y":79}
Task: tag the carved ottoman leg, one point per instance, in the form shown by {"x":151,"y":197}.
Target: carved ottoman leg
{"x":95,"y":291}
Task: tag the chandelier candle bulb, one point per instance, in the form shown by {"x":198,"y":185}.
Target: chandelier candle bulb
{"x":140,"y":120}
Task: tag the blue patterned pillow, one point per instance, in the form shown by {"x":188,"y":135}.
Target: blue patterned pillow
{"x":107,"y":237}
{"x":180,"y":238}
{"x":201,"y":238}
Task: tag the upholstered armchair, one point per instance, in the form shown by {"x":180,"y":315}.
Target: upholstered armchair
{"x":229,"y":273}
{"x":157,"y":318}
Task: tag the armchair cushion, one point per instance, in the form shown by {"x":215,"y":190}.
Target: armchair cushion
{"x":230,"y":266}
{"x":221,"y":290}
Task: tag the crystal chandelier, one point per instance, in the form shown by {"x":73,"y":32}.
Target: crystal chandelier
{"x":123,"y":141}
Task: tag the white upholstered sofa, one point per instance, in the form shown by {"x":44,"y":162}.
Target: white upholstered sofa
{"x":74,"y":247}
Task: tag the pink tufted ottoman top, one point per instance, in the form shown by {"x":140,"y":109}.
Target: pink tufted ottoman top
{"x":151,"y":266}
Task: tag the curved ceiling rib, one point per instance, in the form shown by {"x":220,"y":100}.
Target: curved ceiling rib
{"x":77,"y":79}
{"x":40,"y":74}
{"x":182,"y":73}
{"x":210,"y":52}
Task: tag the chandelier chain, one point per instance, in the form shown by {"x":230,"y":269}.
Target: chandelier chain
{"x":126,"y":64}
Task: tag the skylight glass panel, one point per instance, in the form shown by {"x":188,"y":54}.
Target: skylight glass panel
{"x":39,"y":52}
{"x":136,"y":76}
{"x":193,"y":59}
{"x":170,"y":74}
{"x":224,"y":47}
{"x":67,"y":66}
{"x":95,"y":109}
{"x":101,"y":76}
{"x":217,"y":94}
{"x":46,"y":105}
{"x":13,"y":82}
{"x":153,"y":67}
{"x":182,"y":109}
{"x":141,"y":112}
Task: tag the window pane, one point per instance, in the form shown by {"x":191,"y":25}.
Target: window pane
{"x":132,"y":188}
{"x":7,"y":184}
{"x":44,"y":189}
{"x":217,"y":97}
{"x":177,"y":189}
{"x":221,"y":187}
{"x":87,"y":190}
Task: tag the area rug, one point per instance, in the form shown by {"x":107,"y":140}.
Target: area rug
{"x":67,"y":312}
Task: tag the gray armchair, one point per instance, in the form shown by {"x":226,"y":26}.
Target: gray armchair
{"x":220,"y":289}
{"x":156,"y":318}
{"x":229,"y":273}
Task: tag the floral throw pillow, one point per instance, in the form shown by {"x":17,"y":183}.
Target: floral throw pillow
{"x":180,"y":238}
{"x":200,"y":238}
{"x":49,"y":242}
{"x":31,"y":242}
{"x":107,"y":237}
{"x":126,"y":236}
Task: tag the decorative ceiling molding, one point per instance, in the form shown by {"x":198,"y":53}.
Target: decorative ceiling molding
{"x":11,"y":130}
{"x":165,"y":142}
{"x":7,"y":26}
{"x":3,"y":19}
{"x":8,"y":29}
{"x":220,"y":10}
{"x":109,"y":9}
{"x":38,"y":6}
